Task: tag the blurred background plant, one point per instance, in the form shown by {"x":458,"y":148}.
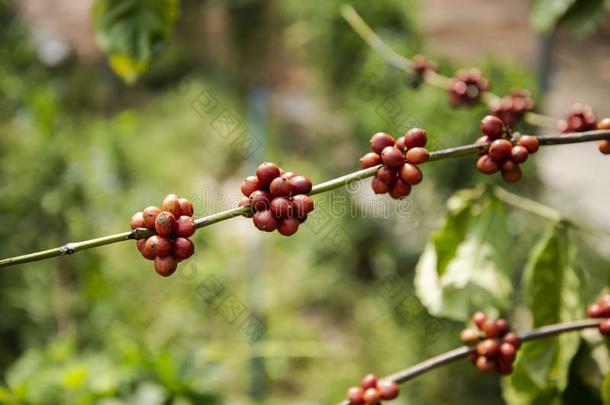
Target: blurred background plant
{"x":81,"y":151}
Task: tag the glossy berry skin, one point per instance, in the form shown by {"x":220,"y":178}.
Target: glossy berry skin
{"x":388,"y":390}
{"x":604,"y":146}
{"x":245,"y":202}
{"x":369,"y":160}
{"x":400,"y":189}
{"x":265,"y":221}
{"x":157,"y":246}
{"x":492,"y":126}
{"x":281,"y":207}
{"x":369,"y":381}
{"x":354,"y":396}
{"x":487,"y":348}
{"x":478,"y":318}
{"x":392,"y":157}
{"x":500,"y":150}
{"x":594,"y":311}
{"x":280,"y":187}
{"x":260,"y":200}
{"x":411,"y":174}
{"x":490,"y":329}
{"x":604,"y":124}
{"x":519,"y":154}
{"x":502,"y":326}
{"x":288,"y":226}
{"x":150,"y":214}
{"x":531,"y":143}
{"x":185,"y":225}
{"x":287,"y":175}
{"x":415,"y":138}
{"x":171,"y":203}
{"x":186,"y":207}
{"x":417,"y":155}
{"x":469,"y":336}
{"x":165,"y":265}
{"x":484,"y":364}
{"x":371,"y":396}
{"x":381,"y":140}
{"x":266,"y":172}
{"x":386,"y":174}
{"x":137,"y":221}
{"x":507,"y":352}
{"x":487,"y":165}
{"x":380,"y":187}
{"x":146,"y":253}
{"x":300,"y":185}
{"x":165,"y":223}
{"x":182,"y":248}
{"x":250,"y":185}
{"x":512,"y":176}
{"x":400,"y":144}
{"x":604,"y":327}
{"x":302,"y":205}
{"x":512,"y":339}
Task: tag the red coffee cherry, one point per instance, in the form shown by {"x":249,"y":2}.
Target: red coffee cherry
{"x":281,"y":207}
{"x":165,"y":223}
{"x":478,"y":318}
{"x":604,"y":146}
{"x":392,"y":157}
{"x":388,"y":390}
{"x":490,"y":329}
{"x":400,"y":144}
{"x":492,"y":126}
{"x":171,"y":203}
{"x":302,"y":205}
{"x":265,"y":220}
{"x":500,"y":150}
{"x":245,"y":202}
{"x":512,"y":339}
{"x":380,"y":187}
{"x":411,"y":174}
{"x":604,"y":327}
{"x":288,"y":226}
{"x":417,"y":155}
{"x":165,"y":265}
{"x":280,"y":187}
{"x":466,"y":87}
{"x":519,"y":154}
{"x":512,"y":176}
{"x":146,"y":253}
{"x":140,"y":244}
{"x":266,"y":172}
{"x":355,"y":396}
{"x":381,"y":140}
{"x":507,"y":352}
{"x":386,"y":174}
{"x":604,"y":124}
{"x":581,"y":118}
{"x":137,"y":220}
{"x":400,"y":189}
{"x":287,"y":175}
{"x":487,"y":348}
{"x":531,"y":143}
{"x":371,"y":396}
{"x":594,"y":311}
{"x":512,"y":108}
{"x":503,"y":367}
{"x":484,"y":364}
{"x":487,"y":165}
{"x":182,"y":248}
{"x":260,"y":200}
{"x":502,"y":326}
{"x":369,"y":160}
{"x":369,"y":381}
{"x":469,"y":336}
{"x":185,"y":225}
{"x":156,"y":246}
{"x":186,"y":207}
{"x":415,"y":138}
{"x":250,"y":185}
{"x":300,"y":185}
{"x":150,"y":214}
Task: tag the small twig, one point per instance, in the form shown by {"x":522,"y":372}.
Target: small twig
{"x":458,"y":151}
{"x":462,"y":352}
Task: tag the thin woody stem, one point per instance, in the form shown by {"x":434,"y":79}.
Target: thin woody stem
{"x":458,"y":151}
{"x":432,"y":78}
{"x":462,"y":352}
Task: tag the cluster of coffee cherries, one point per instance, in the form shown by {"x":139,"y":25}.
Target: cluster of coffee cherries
{"x":421,"y":65}
{"x":277,"y":199}
{"x":173,"y":224}
{"x":466,"y":87}
{"x":400,"y":158}
{"x":502,"y":155}
{"x":511,"y":108}
{"x":580,"y":118}
{"x":496,"y":345}
{"x":601,"y":309}
{"x":371,"y":391}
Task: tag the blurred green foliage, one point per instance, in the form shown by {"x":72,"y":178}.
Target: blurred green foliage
{"x":79,"y":153}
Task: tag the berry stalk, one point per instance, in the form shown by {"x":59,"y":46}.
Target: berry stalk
{"x":140,"y":233}
{"x":463,"y":351}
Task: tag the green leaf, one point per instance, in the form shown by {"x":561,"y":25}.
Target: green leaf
{"x":606,"y":390}
{"x":584,"y":16}
{"x":465,"y":266}
{"x":131,"y":31}
{"x":545,"y":14}
{"x":552,"y":292}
